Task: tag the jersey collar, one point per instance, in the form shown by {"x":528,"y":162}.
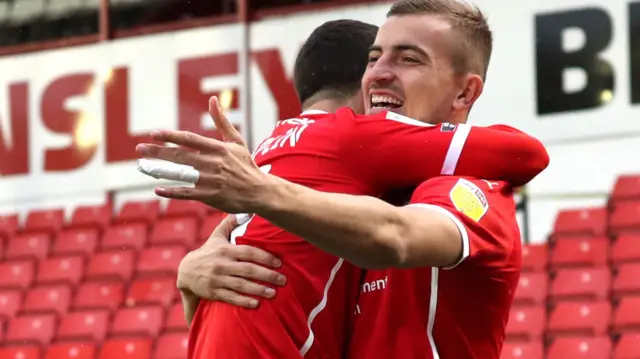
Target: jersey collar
{"x":313,"y":112}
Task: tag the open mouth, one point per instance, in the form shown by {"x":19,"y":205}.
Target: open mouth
{"x":385,"y":101}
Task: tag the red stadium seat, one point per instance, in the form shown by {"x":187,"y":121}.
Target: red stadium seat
{"x":175,"y":319}
{"x":10,"y":302}
{"x":89,"y":325}
{"x":174,"y":230}
{"x":76,"y":241}
{"x":210,"y":223}
{"x":8,"y":225}
{"x":626,"y":317}
{"x":111,"y":265}
{"x":126,"y":348}
{"x":16,"y":274}
{"x":172,"y":346}
{"x":526,"y":323}
{"x":626,"y":249}
{"x":99,"y":295}
{"x":97,"y":217}
{"x":580,"y":348}
{"x":532,"y":288}
{"x":584,"y":318}
{"x":61,"y":270}
{"x":50,"y":220}
{"x":161,"y":260}
{"x":181,"y":208}
{"x":152,"y":291}
{"x":523,"y":350}
{"x":627,"y":187}
{"x":30,"y":245}
{"x":628,"y":347}
{"x":625,"y":218}
{"x":132,"y":235}
{"x":138,"y":211}
{"x":584,"y":221}
{"x":145,"y":320}
{"x":626,"y":280}
{"x":48,"y":298}
{"x":534,"y":257}
{"x":580,"y":251}
{"x":74,"y":350}
{"x":20,"y":352}
{"x":581,"y":283}
{"x":32,"y":328}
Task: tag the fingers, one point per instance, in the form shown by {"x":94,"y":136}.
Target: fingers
{"x":224,"y":229}
{"x":256,"y":255}
{"x":253,"y":272}
{"x":188,"y":193}
{"x":188,"y":139}
{"x":243,"y":286}
{"x":230,"y":297}
{"x":171,"y":154}
{"x":225,"y":128}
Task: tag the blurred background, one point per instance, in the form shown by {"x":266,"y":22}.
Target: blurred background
{"x":88,"y":256}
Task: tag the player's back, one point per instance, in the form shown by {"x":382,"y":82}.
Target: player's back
{"x":308,"y":316}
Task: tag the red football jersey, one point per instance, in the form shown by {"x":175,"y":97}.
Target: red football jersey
{"x":342,"y":153}
{"x":459,"y":312}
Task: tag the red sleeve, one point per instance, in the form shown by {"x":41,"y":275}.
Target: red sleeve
{"x":389,"y":151}
{"x":484,"y":212}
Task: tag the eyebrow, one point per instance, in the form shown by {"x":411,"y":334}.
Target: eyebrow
{"x":402,"y":47}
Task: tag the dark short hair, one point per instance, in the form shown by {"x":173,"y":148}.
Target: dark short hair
{"x":473,"y":51}
{"x":333,"y":59}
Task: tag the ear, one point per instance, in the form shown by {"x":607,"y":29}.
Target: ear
{"x":471,"y":86}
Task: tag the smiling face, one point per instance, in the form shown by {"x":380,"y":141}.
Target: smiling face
{"x":411,"y":71}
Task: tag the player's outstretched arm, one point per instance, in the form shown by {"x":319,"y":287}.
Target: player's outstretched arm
{"x":364,"y":230}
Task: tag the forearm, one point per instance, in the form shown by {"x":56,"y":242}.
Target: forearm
{"x":364,"y":230}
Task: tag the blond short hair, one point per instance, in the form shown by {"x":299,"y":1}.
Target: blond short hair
{"x":474,"y":52}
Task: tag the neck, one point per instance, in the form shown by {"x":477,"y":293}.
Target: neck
{"x":324,"y":105}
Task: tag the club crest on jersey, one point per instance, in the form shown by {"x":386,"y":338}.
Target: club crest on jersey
{"x":447,"y":127}
{"x":469,"y":199}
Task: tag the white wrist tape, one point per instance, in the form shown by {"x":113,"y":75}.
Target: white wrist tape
{"x":159,"y":169}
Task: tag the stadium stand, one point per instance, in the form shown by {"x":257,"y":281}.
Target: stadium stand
{"x":98,"y":285}
{"x":579,"y":293}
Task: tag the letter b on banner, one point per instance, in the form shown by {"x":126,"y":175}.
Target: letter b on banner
{"x":553,"y":59}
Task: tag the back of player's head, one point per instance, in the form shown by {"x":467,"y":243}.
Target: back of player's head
{"x":476,"y":41}
{"x":332,"y":61}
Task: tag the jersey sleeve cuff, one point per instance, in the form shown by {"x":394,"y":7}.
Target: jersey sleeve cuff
{"x":464,"y":235}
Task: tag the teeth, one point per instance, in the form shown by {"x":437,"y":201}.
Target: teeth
{"x":378,"y":99}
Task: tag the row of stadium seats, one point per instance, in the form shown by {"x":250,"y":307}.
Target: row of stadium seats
{"x":571,"y":318}
{"x":168,"y":346}
{"x":627,"y":347}
{"x":94,"y":324}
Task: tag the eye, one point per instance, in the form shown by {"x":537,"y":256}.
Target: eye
{"x":373,"y":59}
{"x":410,"y":60}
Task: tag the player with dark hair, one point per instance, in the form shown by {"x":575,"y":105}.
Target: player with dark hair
{"x":341,"y":153}
{"x":321,"y":76}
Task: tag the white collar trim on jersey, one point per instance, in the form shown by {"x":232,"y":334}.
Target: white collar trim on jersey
{"x":313,"y":112}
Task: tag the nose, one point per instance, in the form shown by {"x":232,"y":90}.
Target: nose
{"x":381,"y":72}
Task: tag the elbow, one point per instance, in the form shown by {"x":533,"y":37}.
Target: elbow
{"x":391,"y":251}
{"x":535,"y":159}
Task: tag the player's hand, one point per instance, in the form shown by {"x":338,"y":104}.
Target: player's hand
{"x":229,"y":273}
{"x":228,"y":179}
